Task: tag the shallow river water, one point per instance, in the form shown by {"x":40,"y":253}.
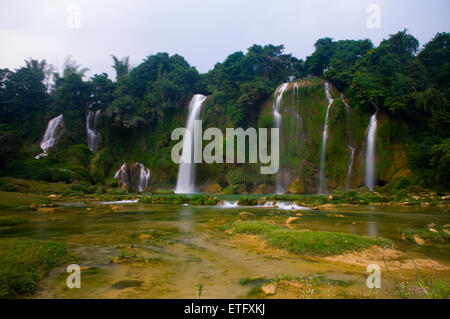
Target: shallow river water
{"x":180,"y":253}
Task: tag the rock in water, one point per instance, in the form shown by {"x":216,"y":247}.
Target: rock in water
{"x":269,"y":289}
{"x":246,"y":216}
{"x":291,"y":219}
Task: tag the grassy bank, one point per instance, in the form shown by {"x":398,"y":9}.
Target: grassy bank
{"x":24,"y":262}
{"x":11,"y":221}
{"x":305,"y":242}
{"x":435,"y":234}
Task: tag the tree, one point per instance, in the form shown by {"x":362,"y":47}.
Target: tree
{"x":71,"y":67}
{"x":319,"y":60}
{"x":122,"y":67}
{"x":436,"y":59}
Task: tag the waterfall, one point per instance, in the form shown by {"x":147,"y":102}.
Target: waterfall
{"x":93,"y":136}
{"x":347,"y":107}
{"x":350,"y":166}
{"x":351,"y":148}
{"x":122,"y":174}
{"x":136,"y":175}
{"x":186,"y":171}
{"x":295,"y":94}
{"x":50,"y":137}
{"x":144,"y":177}
{"x":370,"y":152}
{"x":322,"y":181}
{"x":277,"y":123}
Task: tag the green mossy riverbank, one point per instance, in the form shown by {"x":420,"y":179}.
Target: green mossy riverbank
{"x":24,"y":262}
{"x":314,"y":243}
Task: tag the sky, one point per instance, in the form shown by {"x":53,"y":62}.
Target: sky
{"x":204,"y":32}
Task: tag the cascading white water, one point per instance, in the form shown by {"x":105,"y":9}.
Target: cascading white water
{"x":136,"y":175}
{"x":122,"y":175}
{"x":351,"y":148}
{"x":347,"y":107}
{"x":93,"y":136}
{"x":323,"y":189}
{"x":350,"y":166}
{"x":50,"y":136}
{"x":277,"y":124}
{"x":370,"y":152}
{"x":144,"y":177}
{"x":186,"y":171}
{"x":295,"y":94}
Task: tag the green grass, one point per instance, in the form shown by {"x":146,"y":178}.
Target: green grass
{"x":17,"y":200}
{"x":426,"y":234}
{"x":306,"y":242}
{"x":12,"y":221}
{"x":424,"y":286}
{"x":24,"y":262}
{"x":25,"y":186}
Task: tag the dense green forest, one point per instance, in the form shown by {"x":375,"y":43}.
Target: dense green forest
{"x":145,"y":103}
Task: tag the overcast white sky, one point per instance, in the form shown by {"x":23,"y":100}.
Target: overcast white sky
{"x":203,"y":31}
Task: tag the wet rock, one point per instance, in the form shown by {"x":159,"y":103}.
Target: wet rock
{"x":419,"y":241}
{"x":46,"y":209}
{"x":433,"y":230}
{"x":52,"y":196}
{"x":431,"y":225}
{"x":246,"y":216}
{"x":291,"y":219}
{"x":144,"y":236}
{"x":270,"y":289}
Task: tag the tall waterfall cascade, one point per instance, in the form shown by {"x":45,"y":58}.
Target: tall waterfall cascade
{"x":51,"y":135}
{"x":351,"y":149}
{"x":278,"y":124}
{"x":93,"y":136}
{"x":323,"y":189}
{"x":186,"y":171}
{"x":350,"y":166}
{"x":136,"y":175}
{"x":370,"y":152}
{"x":295,"y":94}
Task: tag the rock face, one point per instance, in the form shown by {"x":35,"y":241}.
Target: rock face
{"x":133,"y":175}
{"x":296,"y":187}
{"x":264,"y":189}
{"x":212,"y":189}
